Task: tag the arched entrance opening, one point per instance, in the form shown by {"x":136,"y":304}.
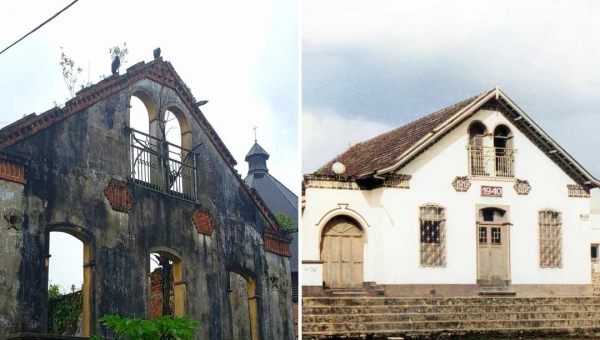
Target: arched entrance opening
{"x":244,"y":306}
{"x":69,"y":286}
{"x":342,"y":246}
{"x":493,"y":246}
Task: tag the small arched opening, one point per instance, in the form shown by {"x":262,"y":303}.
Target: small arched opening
{"x":243,"y":301}
{"x":342,"y":247}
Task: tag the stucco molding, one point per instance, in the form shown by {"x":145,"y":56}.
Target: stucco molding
{"x":522,"y":187}
{"x":342,"y":210}
{"x":461,"y":183}
{"x":13,"y":218}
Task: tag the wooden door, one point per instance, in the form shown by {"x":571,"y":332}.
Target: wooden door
{"x":493,"y":254}
{"x":342,"y":253}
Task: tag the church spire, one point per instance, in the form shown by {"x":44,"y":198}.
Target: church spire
{"x":257,"y":157}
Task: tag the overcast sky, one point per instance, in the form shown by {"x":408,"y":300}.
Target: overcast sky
{"x":371,"y":66}
{"x":241,"y":56}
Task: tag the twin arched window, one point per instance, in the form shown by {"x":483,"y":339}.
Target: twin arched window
{"x":491,"y":158}
{"x":161,"y":143}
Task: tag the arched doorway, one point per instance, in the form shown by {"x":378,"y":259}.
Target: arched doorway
{"x":80,"y":295}
{"x":493,"y":246}
{"x":244,"y":306}
{"x":342,"y":244}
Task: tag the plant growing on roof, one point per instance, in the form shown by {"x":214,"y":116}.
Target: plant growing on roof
{"x":285,"y":222}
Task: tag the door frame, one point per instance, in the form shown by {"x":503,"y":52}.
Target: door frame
{"x":359,"y":225}
{"x":507,"y":223}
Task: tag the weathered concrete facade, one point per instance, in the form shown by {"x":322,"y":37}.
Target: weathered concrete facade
{"x":74,"y":155}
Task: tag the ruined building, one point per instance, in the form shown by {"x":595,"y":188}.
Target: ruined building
{"x":280,"y":200}
{"x":125,"y":194}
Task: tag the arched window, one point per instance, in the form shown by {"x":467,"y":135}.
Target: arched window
{"x":432,"y":221}
{"x":477,"y":132}
{"x":550,"y":237}
{"x":503,"y":146}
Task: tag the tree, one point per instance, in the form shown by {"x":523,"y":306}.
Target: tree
{"x":71,"y":73}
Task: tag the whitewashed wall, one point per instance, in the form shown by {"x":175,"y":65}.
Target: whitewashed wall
{"x":392,"y":222}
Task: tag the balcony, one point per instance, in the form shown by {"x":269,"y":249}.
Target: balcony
{"x":162,"y":166}
{"x":491,"y":162}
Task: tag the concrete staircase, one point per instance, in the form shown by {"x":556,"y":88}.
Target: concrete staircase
{"x":370,"y":317}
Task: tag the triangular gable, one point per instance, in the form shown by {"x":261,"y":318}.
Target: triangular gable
{"x":157,"y":70}
{"x":421,"y":134}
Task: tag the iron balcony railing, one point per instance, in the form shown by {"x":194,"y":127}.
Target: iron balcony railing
{"x":491,"y":162}
{"x":162,"y":166}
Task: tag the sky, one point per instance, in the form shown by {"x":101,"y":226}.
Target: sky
{"x":371,"y":66}
{"x":240,"y":56}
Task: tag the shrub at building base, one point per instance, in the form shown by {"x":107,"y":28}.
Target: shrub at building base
{"x":165,"y":327}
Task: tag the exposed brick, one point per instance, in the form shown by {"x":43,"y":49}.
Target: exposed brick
{"x":203,"y":221}
{"x":119,"y":196}
{"x":277,"y":243}
{"x":11,"y":171}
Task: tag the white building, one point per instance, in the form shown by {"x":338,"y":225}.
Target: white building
{"x":473,"y":199}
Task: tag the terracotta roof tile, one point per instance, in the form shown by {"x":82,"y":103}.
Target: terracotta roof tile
{"x":383,"y":150}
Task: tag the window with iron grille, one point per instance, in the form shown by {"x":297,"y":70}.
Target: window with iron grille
{"x":550,"y":233}
{"x":433,"y":236}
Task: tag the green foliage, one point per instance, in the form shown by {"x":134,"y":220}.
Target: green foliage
{"x":54,"y":292}
{"x":165,"y":327}
{"x":64,"y":311}
{"x":285,"y":222}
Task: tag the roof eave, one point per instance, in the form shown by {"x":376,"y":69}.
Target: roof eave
{"x":440,"y":129}
{"x":579,"y":167}
{"x":450,"y":123}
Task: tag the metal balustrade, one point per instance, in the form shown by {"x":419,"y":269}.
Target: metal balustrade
{"x":491,"y":162}
{"x":162,"y":166}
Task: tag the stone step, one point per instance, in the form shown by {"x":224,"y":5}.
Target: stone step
{"x":347,"y":292}
{"x":440,"y":301}
{"x":490,"y":333}
{"x":338,"y":328}
{"x":413,"y":317}
{"x":395,"y":309}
